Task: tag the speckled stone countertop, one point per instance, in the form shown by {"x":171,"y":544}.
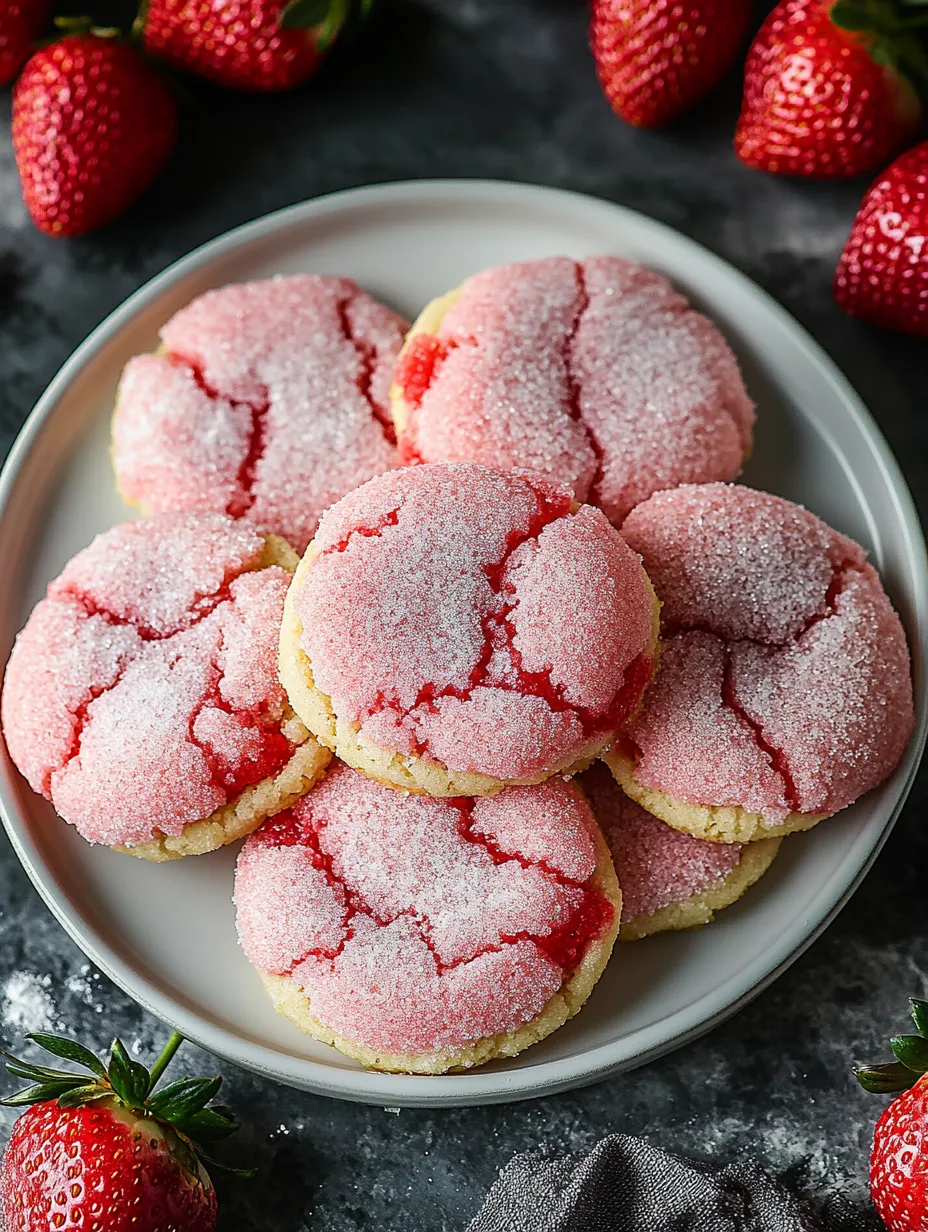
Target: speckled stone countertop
{"x":502,"y":89}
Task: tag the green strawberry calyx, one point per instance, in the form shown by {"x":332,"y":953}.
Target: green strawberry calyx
{"x":911,"y":1053}
{"x":183,"y":1110}
{"x":894,"y":33}
{"x":324,"y":17}
{"x":84,"y":25}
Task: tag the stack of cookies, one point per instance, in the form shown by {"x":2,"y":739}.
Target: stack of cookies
{"x":468,"y":630}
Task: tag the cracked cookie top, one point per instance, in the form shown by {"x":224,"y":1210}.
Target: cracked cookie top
{"x":470,"y":616}
{"x":656,"y":865}
{"x":785,"y":682}
{"x":594,"y":372}
{"x":414,"y":924}
{"x":142,"y":693}
{"x":268,"y":400}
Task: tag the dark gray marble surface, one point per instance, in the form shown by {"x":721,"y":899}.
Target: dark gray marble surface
{"x":495,"y":88}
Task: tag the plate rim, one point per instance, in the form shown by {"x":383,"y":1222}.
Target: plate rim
{"x":547,"y":1077}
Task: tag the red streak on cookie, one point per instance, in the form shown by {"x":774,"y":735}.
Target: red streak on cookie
{"x":785,"y":681}
{"x":596,"y":373}
{"x":142,"y":694}
{"x":270,"y":400}
{"x":466,"y":614}
{"x":414,"y":923}
{"x":417,"y":365}
{"x":566,"y":945}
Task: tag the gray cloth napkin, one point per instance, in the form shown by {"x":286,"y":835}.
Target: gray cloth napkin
{"x":626,"y":1185}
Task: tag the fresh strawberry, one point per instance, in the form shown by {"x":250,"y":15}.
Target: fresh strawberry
{"x":883,"y":272}
{"x":255,"y":45}
{"x":899,"y":1159}
{"x":92,"y":127}
{"x":104,"y":1150}
{"x":656,"y":58}
{"x":828,"y":87}
{"x":21,"y":22}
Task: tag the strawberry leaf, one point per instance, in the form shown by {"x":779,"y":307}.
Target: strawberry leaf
{"x":920,"y":1008}
{"x":849,"y":15}
{"x":304,"y":14}
{"x":78,"y":1096}
{"x":73,"y":25}
{"x":69,"y":1050}
{"x":885,"y":1079}
{"x":129,"y":1079}
{"x":246,"y":1173}
{"x":208,"y":1125}
{"x":912,"y":1051}
{"x":182,"y":1099}
{"x":335,"y":19}
{"x":42,"y":1091}
{"x":138,"y":26}
{"x":33,"y":1073}
{"x":325,"y":17}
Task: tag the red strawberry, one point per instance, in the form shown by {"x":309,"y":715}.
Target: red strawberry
{"x":102,"y":1151}
{"x":92,"y":127}
{"x":255,"y":45}
{"x":883,"y":272}
{"x":656,"y":58}
{"x":824,"y":94}
{"x":899,"y":1159}
{"x":21,"y":22}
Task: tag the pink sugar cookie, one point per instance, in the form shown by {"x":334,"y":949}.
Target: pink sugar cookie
{"x":669,"y":880}
{"x":594,"y":372}
{"x":453,"y":629}
{"x":141,"y":697}
{"x":268,"y":400}
{"x":785,"y":687}
{"x":422,"y":935}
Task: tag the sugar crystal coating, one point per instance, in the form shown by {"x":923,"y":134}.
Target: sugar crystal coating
{"x":594,"y":372}
{"x":413,"y":923}
{"x":743,"y":563}
{"x":142,"y":693}
{"x":785,"y":682}
{"x":692,"y":742}
{"x":656,"y":865}
{"x":466,"y":614}
{"x":269,"y":401}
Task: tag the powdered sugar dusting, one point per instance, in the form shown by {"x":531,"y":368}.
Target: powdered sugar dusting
{"x":785,"y":680}
{"x":655,"y":864}
{"x":465,"y":612}
{"x":271,"y":401}
{"x":142,"y":693}
{"x":399,"y":915}
{"x":27,"y":1003}
{"x":595,"y":372}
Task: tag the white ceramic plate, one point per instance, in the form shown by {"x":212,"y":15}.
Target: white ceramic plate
{"x":165,"y":933}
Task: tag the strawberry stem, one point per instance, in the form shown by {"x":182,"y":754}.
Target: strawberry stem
{"x":164,"y":1060}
